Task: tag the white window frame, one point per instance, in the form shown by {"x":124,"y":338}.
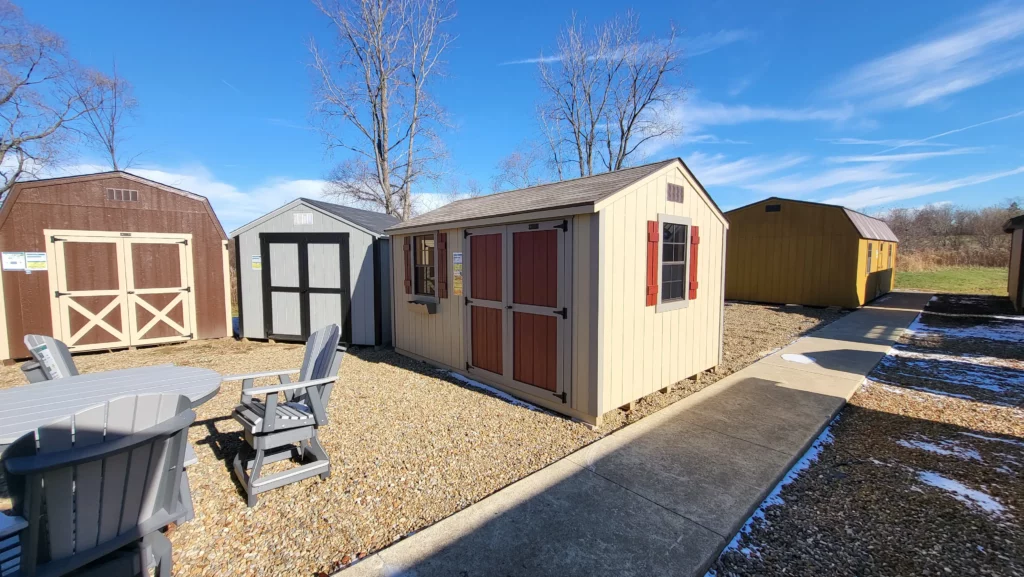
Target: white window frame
{"x":870,"y":255}
{"x":684,"y":302}
{"x":416,"y":297}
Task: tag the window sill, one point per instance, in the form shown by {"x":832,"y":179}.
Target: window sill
{"x":423,"y":307}
{"x":671,"y":306}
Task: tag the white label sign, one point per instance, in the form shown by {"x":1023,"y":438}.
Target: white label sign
{"x":257,"y":262}
{"x":35,"y":261}
{"x":13,"y":261}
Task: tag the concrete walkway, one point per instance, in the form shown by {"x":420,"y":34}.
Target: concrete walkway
{"x":662,"y":496}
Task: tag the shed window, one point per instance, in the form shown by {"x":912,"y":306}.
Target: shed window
{"x":868,"y":271}
{"x":890,"y":257}
{"x":424,"y":259}
{"x":122,"y":194}
{"x":773,"y":208}
{"x":673,"y":261}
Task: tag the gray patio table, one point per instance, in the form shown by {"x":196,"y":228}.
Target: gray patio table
{"x":25,"y":408}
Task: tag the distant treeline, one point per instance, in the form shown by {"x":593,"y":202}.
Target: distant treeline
{"x":947,"y":235}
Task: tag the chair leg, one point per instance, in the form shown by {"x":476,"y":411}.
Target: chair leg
{"x":185,"y":494}
{"x":319,"y":454}
{"x":248,"y":478}
{"x":160,"y":547}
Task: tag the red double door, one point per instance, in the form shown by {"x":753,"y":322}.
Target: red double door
{"x":517,"y":286}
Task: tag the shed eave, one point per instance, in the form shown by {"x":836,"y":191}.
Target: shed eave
{"x":567,"y":210}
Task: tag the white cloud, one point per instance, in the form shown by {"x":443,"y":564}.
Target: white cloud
{"x":904,"y":157}
{"x":803,"y":184}
{"x":716,"y":170}
{"x":884,"y":194}
{"x":880,"y":142}
{"x":697,"y":114}
{"x":981,"y":49}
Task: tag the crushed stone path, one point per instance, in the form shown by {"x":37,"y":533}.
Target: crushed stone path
{"x":665,"y":495}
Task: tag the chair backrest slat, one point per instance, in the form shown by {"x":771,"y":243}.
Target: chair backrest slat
{"x":322,"y":359}
{"x":165,"y":453}
{"x":146,"y":410}
{"x":120,"y":415}
{"x":59,"y":486}
{"x":52,"y":355}
{"x":89,"y":426}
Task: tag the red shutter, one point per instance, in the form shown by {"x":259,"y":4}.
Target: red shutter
{"x":694,"y":243}
{"x":442,"y":265}
{"x":407,"y":253}
{"x":652,"y":262}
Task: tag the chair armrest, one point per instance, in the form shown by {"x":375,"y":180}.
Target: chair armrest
{"x":259,"y":375}
{"x":290,"y":386}
{"x":11,"y":525}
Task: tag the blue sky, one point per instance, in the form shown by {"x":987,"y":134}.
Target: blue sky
{"x":869,"y":104}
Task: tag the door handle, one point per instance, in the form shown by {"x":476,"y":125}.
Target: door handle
{"x":131,"y":292}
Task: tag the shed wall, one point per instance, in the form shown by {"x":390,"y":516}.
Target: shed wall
{"x":360,"y":246}
{"x":440,"y":339}
{"x":1014,"y":287}
{"x":82,"y":205}
{"x":640,"y":350}
{"x":802,"y":254}
{"x":880,"y":279}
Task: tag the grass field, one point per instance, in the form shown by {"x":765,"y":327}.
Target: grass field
{"x":969,"y":280}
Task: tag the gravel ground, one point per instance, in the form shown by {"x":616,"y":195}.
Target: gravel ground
{"x":409,"y":446}
{"x":923,"y":474}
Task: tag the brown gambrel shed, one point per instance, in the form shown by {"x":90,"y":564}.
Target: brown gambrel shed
{"x":110,"y":260}
{"x":580,"y":296}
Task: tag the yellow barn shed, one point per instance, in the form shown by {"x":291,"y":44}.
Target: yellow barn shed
{"x":797,"y":252}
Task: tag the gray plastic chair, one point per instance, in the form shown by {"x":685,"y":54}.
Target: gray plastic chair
{"x":53,"y":357}
{"x":98,"y":489}
{"x":288,"y":429}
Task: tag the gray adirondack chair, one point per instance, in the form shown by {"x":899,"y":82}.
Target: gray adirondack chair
{"x":95,"y":493}
{"x":286,"y":428}
{"x":52,"y":357}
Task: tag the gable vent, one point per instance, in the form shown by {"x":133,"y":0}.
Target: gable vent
{"x":675,"y":192}
{"x":122,"y":194}
{"x":773,"y":208}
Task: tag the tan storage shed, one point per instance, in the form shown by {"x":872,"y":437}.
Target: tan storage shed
{"x":798,"y":252}
{"x":1015,"y":280}
{"x":580,"y":296}
{"x":110,"y":260}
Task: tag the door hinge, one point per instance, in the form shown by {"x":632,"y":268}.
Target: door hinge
{"x":564,"y":313}
{"x":564,"y":226}
{"x":56,"y":239}
{"x":58,"y":294}
{"x":188,"y":336}
{"x":466,"y":233}
{"x":187,"y":289}
{"x":184,"y":242}
{"x":468,"y":301}
{"x":561,"y":395}
{"x":468,"y":366}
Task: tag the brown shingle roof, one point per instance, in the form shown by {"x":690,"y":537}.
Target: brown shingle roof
{"x":576,"y":192}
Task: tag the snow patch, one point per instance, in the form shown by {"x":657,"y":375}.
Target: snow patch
{"x":500,"y":394}
{"x":942,"y":393}
{"x":944,"y":447}
{"x":899,"y":351}
{"x":796,"y":358}
{"x":996,"y":439}
{"x":962,"y":493}
{"x":1003,"y":331}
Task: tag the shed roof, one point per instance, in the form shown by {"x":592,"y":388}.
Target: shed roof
{"x":868,"y":227}
{"x":372,"y":223}
{"x":1014,"y":223}
{"x":562,"y":194}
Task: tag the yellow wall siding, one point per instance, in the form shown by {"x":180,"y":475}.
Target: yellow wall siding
{"x":880,"y":279}
{"x":805,"y":254}
{"x":643,"y":351}
{"x":437,"y":337}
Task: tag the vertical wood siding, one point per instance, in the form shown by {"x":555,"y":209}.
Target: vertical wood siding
{"x":487,"y":265}
{"x":536,"y":255}
{"x":584,"y":315}
{"x":438,"y":337}
{"x":70,"y":204}
{"x":1013,"y":287}
{"x":535,"y":350}
{"x":360,"y":249}
{"x":803,"y":254}
{"x":642,"y":350}
{"x":880,"y":280}
{"x":488,"y":344}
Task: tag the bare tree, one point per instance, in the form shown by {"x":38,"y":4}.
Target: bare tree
{"x":373,"y":97}
{"x":42,"y":92}
{"x":520,"y":169}
{"x":607,"y":94}
{"x":105,"y":121}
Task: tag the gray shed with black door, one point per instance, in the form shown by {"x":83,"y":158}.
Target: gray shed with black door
{"x":311,"y":263}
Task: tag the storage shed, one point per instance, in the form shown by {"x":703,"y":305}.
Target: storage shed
{"x":1015,"y":283}
{"x":110,"y":260}
{"x":311,"y":263}
{"x":580,"y":296}
{"x":798,"y":252}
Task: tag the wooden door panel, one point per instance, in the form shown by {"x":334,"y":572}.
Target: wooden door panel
{"x":485,"y":267}
{"x":90,"y":266}
{"x":161,"y":328}
{"x":90,"y":295}
{"x":535,"y":358}
{"x":155,"y":265}
{"x":535,"y":268}
{"x":486,"y":329}
{"x":107,"y":327}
